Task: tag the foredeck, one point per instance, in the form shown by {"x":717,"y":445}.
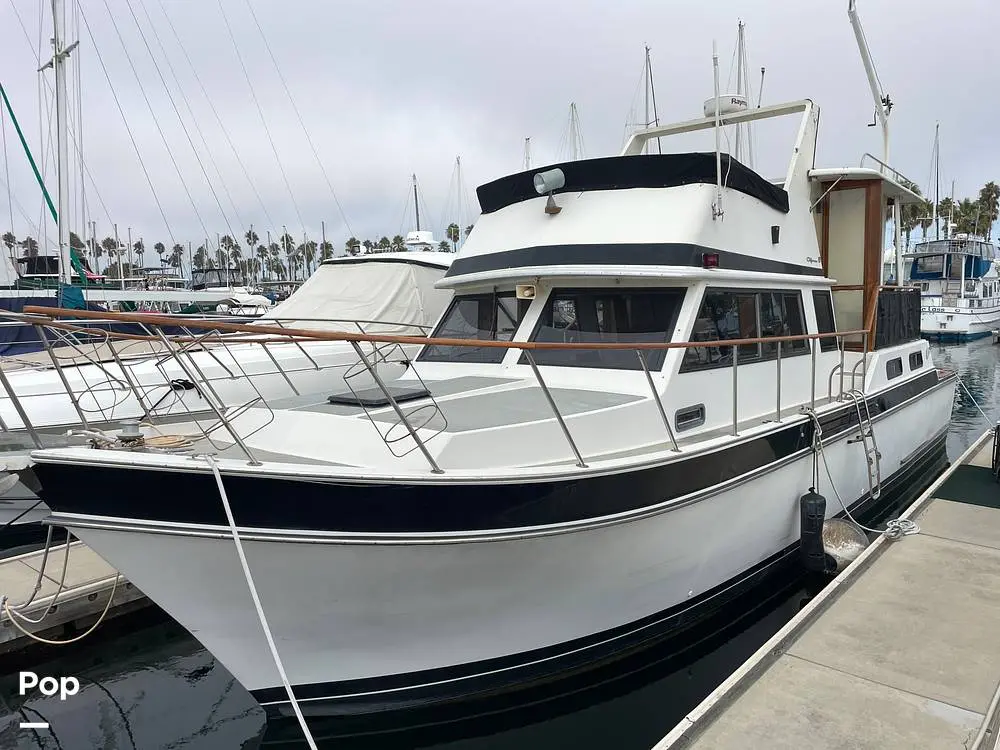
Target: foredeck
{"x":899,"y":652}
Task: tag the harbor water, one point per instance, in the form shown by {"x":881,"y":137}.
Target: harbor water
{"x":147,"y":684}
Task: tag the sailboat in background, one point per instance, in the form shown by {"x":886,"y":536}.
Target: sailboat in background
{"x":957,"y":276}
{"x":63,"y":278}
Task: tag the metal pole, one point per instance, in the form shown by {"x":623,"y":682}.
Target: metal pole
{"x":435,"y":469}
{"x":19,"y":409}
{"x":735,"y":388}
{"x":656,"y":398}
{"x":59,"y":54}
{"x":555,"y":409}
{"x":118,"y":253}
{"x":62,"y":376}
{"x":812,"y":389}
{"x":777,"y":406}
{"x":218,"y":413}
{"x":841,"y":395}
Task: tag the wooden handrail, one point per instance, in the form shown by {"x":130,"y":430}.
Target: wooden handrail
{"x":315,"y":335}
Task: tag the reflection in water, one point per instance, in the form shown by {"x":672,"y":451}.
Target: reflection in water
{"x":150,"y":685}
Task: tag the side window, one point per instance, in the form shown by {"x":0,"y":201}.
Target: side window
{"x":480,"y":317}
{"x":723,"y":315}
{"x":738,"y":314}
{"x":823,"y":302}
{"x":781,"y":315}
{"x":916,"y":360}
{"x":894,"y":368}
{"x":598,"y":315}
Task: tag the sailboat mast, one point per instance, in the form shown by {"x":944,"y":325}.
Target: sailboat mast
{"x":739,"y":87}
{"x":527,"y":154}
{"x":937,"y":180}
{"x":573,"y":150}
{"x":416,"y":204}
{"x":59,"y":55}
{"x":645,"y":93}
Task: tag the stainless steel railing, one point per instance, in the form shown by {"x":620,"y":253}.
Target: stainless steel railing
{"x":223,"y":336}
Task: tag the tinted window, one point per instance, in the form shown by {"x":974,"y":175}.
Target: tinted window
{"x":606,"y":316}
{"x":737,"y":314}
{"x":481,"y":317}
{"x":823,"y":302}
{"x":916,"y":360}
{"x":894,"y":368}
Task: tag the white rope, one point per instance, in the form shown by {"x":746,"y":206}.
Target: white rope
{"x":895,"y":528}
{"x":48,"y":642}
{"x":256,"y":601}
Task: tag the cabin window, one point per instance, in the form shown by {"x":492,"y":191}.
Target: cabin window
{"x":894,"y":368}
{"x":825,"y":323}
{"x":606,"y":316}
{"x":480,"y":317}
{"x":929,"y":265}
{"x":737,"y":314}
{"x":916,"y":360}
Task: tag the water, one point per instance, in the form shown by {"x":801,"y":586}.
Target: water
{"x":147,"y":684}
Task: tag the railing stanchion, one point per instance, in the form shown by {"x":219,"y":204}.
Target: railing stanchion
{"x":218,"y":412}
{"x":777,"y":406}
{"x":864,"y":362}
{"x":736,"y":411}
{"x":656,"y":398}
{"x":840,"y":342}
{"x":300,"y":347}
{"x":814,"y":346}
{"x":19,"y":409}
{"x":395,"y":407}
{"x":263,"y":345}
{"x":555,"y":409}
{"x":62,"y":376}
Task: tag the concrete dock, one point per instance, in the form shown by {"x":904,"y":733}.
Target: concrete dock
{"x":902,"y":650}
{"x":88,"y":584}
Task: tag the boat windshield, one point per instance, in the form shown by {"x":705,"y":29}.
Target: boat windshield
{"x":493,"y":316}
{"x":607,"y":316}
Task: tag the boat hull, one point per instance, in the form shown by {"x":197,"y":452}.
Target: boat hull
{"x":370,"y":622}
{"x":958,"y":324}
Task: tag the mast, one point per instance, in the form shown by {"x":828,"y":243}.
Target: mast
{"x":58,"y":63}
{"x":739,"y":86}
{"x":882,"y":105}
{"x":527,"y":154}
{"x":717,"y":208}
{"x":458,"y":187}
{"x":937,"y":180}
{"x":416,"y":205}
{"x":645,"y":93}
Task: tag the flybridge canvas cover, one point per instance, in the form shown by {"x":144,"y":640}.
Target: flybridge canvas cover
{"x":392,"y":292}
{"x":625,"y":172}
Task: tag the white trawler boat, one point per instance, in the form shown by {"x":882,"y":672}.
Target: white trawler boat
{"x":558,"y":479}
{"x":960,"y":287}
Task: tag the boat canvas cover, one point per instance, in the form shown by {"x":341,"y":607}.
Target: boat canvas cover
{"x":397,"y":295}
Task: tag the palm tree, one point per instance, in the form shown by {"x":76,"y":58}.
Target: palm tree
{"x":288,"y":246}
{"x":967,"y":217}
{"x":368,"y":245}
{"x":9,"y":241}
{"x":30,"y":247}
{"x":111,"y":248}
{"x":200,"y":257}
{"x":384,"y":245}
{"x":140,"y":250}
{"x":309,"y":255}
{"x":989,"y":206}
{"x":352,"y":246}
{"x":325,"y":250}
{"x":398,"y":243}
{"x":262,"y":259}
{"x":252,"y":239}
{"x":176,"y":259}
{"x":468,"y":229}
{"x":946,"y":209}
{"x":444,"y":246}
{"x":454,"y":234}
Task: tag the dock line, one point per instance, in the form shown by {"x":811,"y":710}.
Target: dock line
{"x":256,"y":601}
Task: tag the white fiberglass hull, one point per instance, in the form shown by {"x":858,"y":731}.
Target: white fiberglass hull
{"x":379,"y":607}
{"x":959,"y":323}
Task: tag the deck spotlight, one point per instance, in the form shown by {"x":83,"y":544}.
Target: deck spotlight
{"x":546,"y":182}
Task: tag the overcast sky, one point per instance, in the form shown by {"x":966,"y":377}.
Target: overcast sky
{"x":389,"y":88}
